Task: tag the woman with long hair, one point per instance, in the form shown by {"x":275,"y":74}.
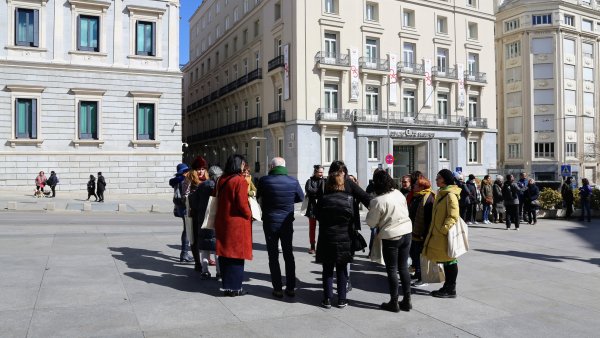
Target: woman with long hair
{"x":420,"y":211}
{"x":313,"y":185}
{"x":389,"y":213}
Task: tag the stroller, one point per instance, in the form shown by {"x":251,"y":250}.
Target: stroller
{"x":43,"y":192}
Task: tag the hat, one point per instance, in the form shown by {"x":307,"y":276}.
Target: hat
{"x":182,"y":168}
{"x":447,"y":176}
{"x":199,"y":162}
{"x":458,"y":176}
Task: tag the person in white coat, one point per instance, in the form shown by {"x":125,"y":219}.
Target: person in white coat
{"x":389,"y":213}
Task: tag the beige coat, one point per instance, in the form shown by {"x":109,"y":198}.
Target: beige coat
{"x":445,"y":216}
{"x":388,"y":213}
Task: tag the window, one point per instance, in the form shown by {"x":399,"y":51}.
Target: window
{"x":543,"y":96}
{"x":588,"y":74}
{"x":408,"y":18}
{"x":442,"y":60}
{"x":257,"y":59}
{"x":544,"y":150}
{"x":145,"y":38}
{"x":372,"y":100}
{"x":88,"y":28}
{"x":570,"y":100}
{"x":330,"y":45}
{"x":588,"y":100}
{"x":246,"y":110}
{"x":226,"y":51}
{"x":513,"y":49}
{"x":245,"y":64}
{"x":280,"y":147}
{"x":473,"y":155}
{"x":514,"y":150}
{"x":236,"y":14}
{"x":244,"y":37}
{"x":543,"y":123}
{"x":542,"y":46}
{"x":26,"y":119}
{"x":371,"y":11}
{"x":88,"y":120}
{"x":443,"y":151}
{"x":256,"y":28}
{"x":408,"y":103}
{"x":277,"y":11}
{"x":442,"y":106}
{"x":373,"y":150}
{"x":512,"y":25}
{"x":545,"y":71}
{"x":442,"y":25}
{"x":570,"y":149}
{"x":541,"y":19}
{"x":513,"y":74}
{"x":569,"y":46}
{"x":587,"y":25}
{"x":278,"y":49}
{"x":279,"y":102}
{"x":145,"y":121}
{"x":472,"y":31}
{"x":218,"y":29}
{"x":408,"y":54}
{"x":236,"y":113}
{"x":235,"y":44}
{"x":570,"y":123}
{"x":371,"y":51}
{"x":569,"y":20}
{"x":513,"y":100}
{"x":473,"y":111}
{"x":587,"y":49}
{"x":331,"y":97}
{"x":330,"y":6}
{"x":257,"y":106}
{"x":473,"y":63}
{"x":27,"y":29}
{"x":331,"y":149}
{"x":514,"y":125}
{"x":246,"y":6}
{"x":569,"y":72}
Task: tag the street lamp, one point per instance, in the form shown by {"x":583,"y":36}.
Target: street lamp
{"x":260,"y":138}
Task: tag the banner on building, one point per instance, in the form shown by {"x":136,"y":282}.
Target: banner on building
{"x":461,"y":85}
{"x":428,"y":84}
{"x":354,"y":76}
{"x":286,"y":70}
{"x":393,"y":79}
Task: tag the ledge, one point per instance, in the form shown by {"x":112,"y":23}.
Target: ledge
{"x":144,"y":57}
{"x":25,"y":48}
{"x":88,"y":91}
{"x":372,"y":28}
{"x":141,"y":10}
{"x":333,"y":21}
{"x":153,"y":95}
{"x":145,"y":143}
{"x":26,"y":142}
{"x":85,"y":52}
{"x":77,"y":143}
{"x":93,"y":4}
{"x":443,"y":40}
{"x":25,"y":88}
{"x":409,"y":33}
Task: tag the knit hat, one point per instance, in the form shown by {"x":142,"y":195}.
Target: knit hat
{"x":182,"y":168}
{"x":199,"y":162}
{"x":447,"y":176}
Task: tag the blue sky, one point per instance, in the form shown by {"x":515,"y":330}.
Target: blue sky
{"x":188,"y":7}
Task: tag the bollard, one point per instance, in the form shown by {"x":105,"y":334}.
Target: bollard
{"x":12,"y":206}
{"x":50,"y":207}
{"x":87,"y":206}
{"x":122,"y":207}
{"x":154,"y":208}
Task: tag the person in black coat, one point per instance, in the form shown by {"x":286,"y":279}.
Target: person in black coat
{"x":530,"y":196}
{"x":91,"y":188}
{"x":312,"y":187}
{"x":101,"y":187}
{"x":277,"y":193}
{"x":52,"y":182}
{"x":336,"y":225}
{"x":567,"y":194}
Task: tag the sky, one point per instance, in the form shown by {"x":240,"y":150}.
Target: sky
{"x":188,"y":7}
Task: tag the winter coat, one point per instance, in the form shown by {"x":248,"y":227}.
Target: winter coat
{"x":585,"y":192}
{"x":487,"y":193}
{"x":497,"y":192}
{"x":91,"y":186}
{"x":532,"y":193}
{"x":445,"y":215}
{"x":40,"y":181}
{"x":198,"y":202}
{"x":101,"y":183}
{"x":337,"y":228}
{"x":522,"y":184}
{"x":52,"y":180}
{"x":277,"y":193}
{"x":233,"y":222}
{"x":312,"y":187}
{"x":422,"y":202}
{"x":471,"y":189}
{"x":177,"y":183}
{"x":510,"y":193}
{"x":389,"y":214}
{"x":464,"y":193}
{"x":567,"y":193}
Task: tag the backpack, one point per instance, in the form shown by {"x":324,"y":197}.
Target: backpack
{"x":178,"y":197}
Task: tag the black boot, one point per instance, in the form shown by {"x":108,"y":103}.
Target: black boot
{"x":392,"y":305}
{"x":405,"y":304}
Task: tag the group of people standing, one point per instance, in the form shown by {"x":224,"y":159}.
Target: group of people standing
{"x":41,"y":181}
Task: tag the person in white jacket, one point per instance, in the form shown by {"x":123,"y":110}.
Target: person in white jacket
{"x":389,"y":213}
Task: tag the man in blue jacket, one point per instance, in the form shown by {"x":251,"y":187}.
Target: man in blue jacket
{"x":277,"y":193}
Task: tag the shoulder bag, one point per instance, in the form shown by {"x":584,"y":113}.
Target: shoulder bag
{"x":458,"y":238}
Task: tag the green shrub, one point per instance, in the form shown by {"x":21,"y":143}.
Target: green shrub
{"x":550,"y":199}
{"x":596,"y":199}
{"x":576,"y":199}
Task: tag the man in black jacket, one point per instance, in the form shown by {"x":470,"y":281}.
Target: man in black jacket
{"x":101,"y":186}
{"x":277,"y":193}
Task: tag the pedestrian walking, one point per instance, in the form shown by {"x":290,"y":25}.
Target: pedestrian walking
{"x":52,"y":182}
{"x":445,"y":215}
{"x":498,"y":209}
{"x":510,"y":194}
{"x":388,"y":212}
{"x":487,"y":198}
{"x":233,"y":225}
{"x":40,"y":183}
{"x":101,"y":187}
{"x":522,"y":184}
{"x":91,"y":188}
{"x":277,"y":193}
{"x":566,"y":192}
{"x":336,"y":223}
{"x":313,"y":185}
{"x":179,"y":204}
{"x":420,"y":212}
{"x":531,"y":202}
{"x":585,"y":196}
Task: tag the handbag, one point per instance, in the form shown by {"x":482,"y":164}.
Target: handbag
{"x":210,"y":214}
{"x":458,"y":239}
{"x":358,"y":242}
{"x":255,"y":208}
{"x":431,"y":272}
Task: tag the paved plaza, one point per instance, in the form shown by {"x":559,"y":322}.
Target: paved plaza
{"x":108,"y":274}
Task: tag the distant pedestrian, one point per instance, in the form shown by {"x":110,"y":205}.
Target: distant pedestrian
{"x":463,"y":201}
{"x":472,"y":201}
{"x":405,"y":185}
{"x":179,"y":198}
{"x":251,"y":187}
{"x":277,"y":193}
{"x":389,"y":213}
{"x":531,"y":200}
{"x":40,"y":183}
{"x":522,"y":184}
{"x":313,"y":185}
{"x":498,"y":209}
{"x":420,"y":212}
{"x":414,"y":178}
{"x":566,"y":192}
{"x":487,"y":198}
{"x":585,"y":196}
{"x":510,"y":194}
{"x":91,"y":188}
{"x":52,"y":181}
{"x":101,"y":187}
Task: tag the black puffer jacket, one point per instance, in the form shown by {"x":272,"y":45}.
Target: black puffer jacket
{"x":199,"y":204}
{"x":312,"y":187}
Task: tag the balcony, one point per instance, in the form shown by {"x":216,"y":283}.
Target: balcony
{"x":476,"y":77}
{"x":276,"y":62}
{"x":410,"y":68}
{"x":252,"y":123}
{"x":276,"y":116}
{"x":374,"y":64}
{"x":444,"y":72}
{"x":255,"y":122}
{"x":334,"y":115}
{"x":332,"y":59}
{"x":365,"y":116}
{"x":477,"y":122}
{"x":255,"y":75}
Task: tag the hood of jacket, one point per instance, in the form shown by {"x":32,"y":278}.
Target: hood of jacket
{"x":451,"y":189}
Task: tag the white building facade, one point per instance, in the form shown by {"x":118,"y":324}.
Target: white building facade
{"x":547,"y":54}
{"x":317,"y":81}
{"x":89,"y":86}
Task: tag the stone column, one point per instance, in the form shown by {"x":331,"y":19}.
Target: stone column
{"x":118,"y":32}
{"x":173,"y":44}
{"x":57,"y":44}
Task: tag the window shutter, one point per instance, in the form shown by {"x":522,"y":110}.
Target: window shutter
{"x":150,"y":122}
{"x":36,"y":28}
{"x":97,"y":49}
{"x":34,"y":113}
{"x":79,"y":39}
{"x":17,"y":124}
{"x":154,"y":39}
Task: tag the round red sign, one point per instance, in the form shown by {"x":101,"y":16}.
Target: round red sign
{"x":389,"y":159}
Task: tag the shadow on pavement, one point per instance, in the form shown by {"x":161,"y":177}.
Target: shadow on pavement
{"x":541,"y":257}
{"x":589,"y":232}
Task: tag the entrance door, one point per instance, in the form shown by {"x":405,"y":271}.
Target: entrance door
{"x":404,"y":161}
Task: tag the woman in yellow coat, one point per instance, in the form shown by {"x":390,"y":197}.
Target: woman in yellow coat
{"x":445,"y":215}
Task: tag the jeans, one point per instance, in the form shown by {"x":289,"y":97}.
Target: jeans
{"x":185,"y":243}
{"x":312,"y":228}
{"x":512,"y":214}
{"x":416,"y":247}
{"x":232,"y":273}
{"x":342,"y":280}
{"x":530,"y":213}
{"x":395,"y":256}
{"x":486,"y":212}
{"x":521,"y":210}
{"x":373,"y":234}
{"x":586,"y":207}
{"x":471,"y":212}
{"x":204,"y":257}
{"x":285,"y":234}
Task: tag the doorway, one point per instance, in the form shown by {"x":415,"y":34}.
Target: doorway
{"x":404,"y":161}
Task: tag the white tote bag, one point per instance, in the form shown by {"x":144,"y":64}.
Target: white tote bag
{"x":255,"y":208}
{"x":458,"y":239}
{"x":431,"y":272}
{"x":210,"y":214}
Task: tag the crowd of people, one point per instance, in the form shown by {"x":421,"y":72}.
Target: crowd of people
{"x":95,"y":187}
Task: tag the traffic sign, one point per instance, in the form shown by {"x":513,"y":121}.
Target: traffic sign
{"x":459,"y":170}
{"x":389,"y":159}
{"x":565,"y":170}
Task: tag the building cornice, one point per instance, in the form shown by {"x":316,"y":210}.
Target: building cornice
{"x":93,"y":4}
{"x":85,"y":68}
{"x":148,"y":11}
{"x":25,"y":88}
{"x":152,"y":95}
{"x":88,"y":91}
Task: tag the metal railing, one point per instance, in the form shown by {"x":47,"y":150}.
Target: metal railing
{"x":335,"y":59}
{"x":374,"y":63}
{"x":477,"y":122}
{"x":399,"y":117}
{"x":476,"y":76}
{"x":276,"y":116}
{"x":255,"y":75}
{"x":276,"y":62}
{"x":444,"y":72}
{"x":410,"y":68}
{"x":334,"y":114}
{"x":255,"y":122}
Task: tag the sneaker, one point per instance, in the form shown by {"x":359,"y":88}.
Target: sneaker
{"x":311,"y":251}
{"x":290,"y":292}
{"x":469,"y":223}
{"x":507,"y":228}
{"x":277,"y":293}
{"x":326,"y":303}
{"x":443,"y":293}
{"x":342,"y":303}
{"x":280,"y":249}
{"x":517,"y":229}
{"x":218,"y":276}
{"x":419,"y":283}
{"x":475,"y":222}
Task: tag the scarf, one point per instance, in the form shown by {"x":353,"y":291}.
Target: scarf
{"x":423,"y":193}
{"x":278,"y":171}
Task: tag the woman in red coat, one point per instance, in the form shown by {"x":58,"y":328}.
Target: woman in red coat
{"x":233,"y":225}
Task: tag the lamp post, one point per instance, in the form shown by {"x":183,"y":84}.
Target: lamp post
{"x":260,"y":138}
